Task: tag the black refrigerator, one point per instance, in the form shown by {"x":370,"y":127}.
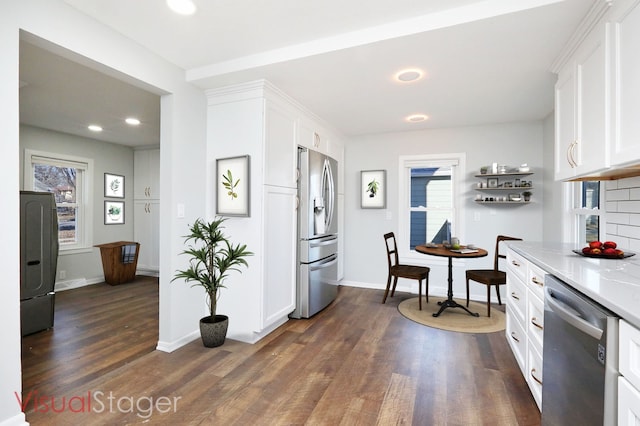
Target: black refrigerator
{"x":38,"y":260}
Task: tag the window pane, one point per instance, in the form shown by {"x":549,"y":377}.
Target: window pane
{"x":61,"y":181}
{"x":67,"y":233}
{"x":590,"y":195}
{"x":591,"y":228}
{"x":432,"y":205}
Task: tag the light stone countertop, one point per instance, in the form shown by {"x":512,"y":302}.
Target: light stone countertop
{"x":614,"y":283}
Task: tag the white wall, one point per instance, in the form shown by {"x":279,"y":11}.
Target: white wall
{"x":511,"y":144}
{"x":182,"y":163}
{"x":555,"y":227}
{"x":86,"y":268}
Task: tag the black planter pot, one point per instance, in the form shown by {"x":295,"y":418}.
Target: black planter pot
{"x":213,"y":331}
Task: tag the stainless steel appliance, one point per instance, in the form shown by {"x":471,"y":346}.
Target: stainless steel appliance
{"x":317,"y":281}
{"x":580,"y":360}
{"x":38,"y":260}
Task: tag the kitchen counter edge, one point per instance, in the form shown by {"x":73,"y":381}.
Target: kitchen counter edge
{"x":613,"y":283}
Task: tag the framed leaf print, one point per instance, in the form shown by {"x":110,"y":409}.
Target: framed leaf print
{"x":232,"y":186}
{"x":373,"y":189}
{"x":114,"y":212}
{"x":113,"y":185}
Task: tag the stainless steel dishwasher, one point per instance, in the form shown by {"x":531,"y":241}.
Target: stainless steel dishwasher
{"x":580,"y":359}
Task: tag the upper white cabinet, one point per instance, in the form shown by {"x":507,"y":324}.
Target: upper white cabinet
{"x":597,"y":95}
{"x":582,"y":94}
{"x":146,"y":174}
{"x":625,"y":22}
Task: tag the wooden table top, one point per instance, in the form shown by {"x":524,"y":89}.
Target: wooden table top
{"x":445,"y":252}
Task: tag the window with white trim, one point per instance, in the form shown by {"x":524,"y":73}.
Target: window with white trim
{"x":587,"y":213}
{"x":430,"y":199}
{"x":68,"y":178}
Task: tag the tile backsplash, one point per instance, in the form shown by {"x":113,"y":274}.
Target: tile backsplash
{"x":623,"y":212}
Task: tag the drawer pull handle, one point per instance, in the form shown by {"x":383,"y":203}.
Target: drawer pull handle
{"x":513,"y":336}
{"x":535,"y":281}
{"x":515,"y":296}
{"x":514,"y":263}
{"x":533,"y":376}
{"x":534,"y":322}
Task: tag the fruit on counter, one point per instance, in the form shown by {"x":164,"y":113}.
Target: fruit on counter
{"x":606,"y":249}
{"x":595,"y":244}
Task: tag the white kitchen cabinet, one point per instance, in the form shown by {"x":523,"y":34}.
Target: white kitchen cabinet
{"x":146,"y":232}
{"x":258,"y":120}
{"x":582,"y":109}
{"x":146,"y":174}
{"x":629,"y":381}
{"x":525,"y":319}
{"x":625,"y":21}
{"x":146,"y":204}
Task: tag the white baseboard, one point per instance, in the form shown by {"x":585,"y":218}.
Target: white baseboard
{"x":17,"y":420}
{"x":177,"y":344}
{"x":79,"y":282}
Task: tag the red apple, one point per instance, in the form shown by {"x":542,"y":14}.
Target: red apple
{"x":619,"y":253}
{"x":595,"y":244}
{"x":609,"y":251}
{"x":586,"y":250}
{"x":595,"y":250}
{"x":609,"y":244}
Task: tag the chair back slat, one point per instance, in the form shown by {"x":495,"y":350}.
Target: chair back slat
{"x":498,"y":255}
{"x":392,"y":249}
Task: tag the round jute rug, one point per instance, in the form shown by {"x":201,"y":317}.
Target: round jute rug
{"x":453,"y":319}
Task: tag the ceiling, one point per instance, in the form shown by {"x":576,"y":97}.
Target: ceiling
{"x":485,"y":62}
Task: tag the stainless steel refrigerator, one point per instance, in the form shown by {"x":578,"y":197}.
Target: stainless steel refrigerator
{"x":317,"y":280}
{"x":38,"y":260}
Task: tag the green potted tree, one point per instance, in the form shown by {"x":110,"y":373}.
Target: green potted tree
{"x":213,"y":256}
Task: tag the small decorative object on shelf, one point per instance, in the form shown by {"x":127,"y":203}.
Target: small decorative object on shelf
{"x":494,"y":183}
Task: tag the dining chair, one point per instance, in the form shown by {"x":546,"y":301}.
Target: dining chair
{"x":397,"y":270}
{"x":491,"y":277}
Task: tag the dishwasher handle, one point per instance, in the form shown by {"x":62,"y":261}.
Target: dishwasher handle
{"x":568,"y":314}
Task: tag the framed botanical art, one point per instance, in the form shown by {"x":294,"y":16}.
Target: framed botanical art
{"x":232,"y":186}
{"x":113,"y":212}
{"x":113,"y":185}
{"x":373,"y":189}
{"x":492,"y":182}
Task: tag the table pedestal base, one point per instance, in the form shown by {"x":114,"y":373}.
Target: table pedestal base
{"x":450,"y":303}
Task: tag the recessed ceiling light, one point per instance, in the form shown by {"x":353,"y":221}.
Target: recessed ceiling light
{"x":409,"y":75}
{"x":132,"y":121}
{"x":94,"y":128}
{"x":416,"y":118}
{"x":183,"y":7}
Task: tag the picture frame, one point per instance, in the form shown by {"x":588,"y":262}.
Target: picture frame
{"x":373,"y":189}
{"x":492,"y":182}
{"x":113,"y":212}
{"x":113,"y":185}
{"x":233,"y":186}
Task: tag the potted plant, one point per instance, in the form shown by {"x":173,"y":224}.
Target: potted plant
{"x":213,"y":256}
{"x":526,"y":195}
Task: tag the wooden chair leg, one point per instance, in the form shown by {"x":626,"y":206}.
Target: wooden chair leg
{"x":498,"y":292}
{"x":467,"y":292}
{"x":386,"y":292}
{"x":426,"y":293}
{"x":395,"y":282}
{"x":488,"y":300}
{"x":420,"y":294}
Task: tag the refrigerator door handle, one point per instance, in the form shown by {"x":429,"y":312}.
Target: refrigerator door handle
{"x":328,"y":188}
{"x":325,"y":263}
{"x":323,"y":242}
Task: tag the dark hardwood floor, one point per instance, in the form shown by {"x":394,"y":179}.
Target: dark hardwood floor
{"x":358,"y":362}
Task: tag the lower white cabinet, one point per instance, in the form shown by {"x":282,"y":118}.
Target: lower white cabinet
{"x":145,"y":230}
{"x":525,"y":319}
{"x":628,"y":403}
{"x":629,"y":381}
